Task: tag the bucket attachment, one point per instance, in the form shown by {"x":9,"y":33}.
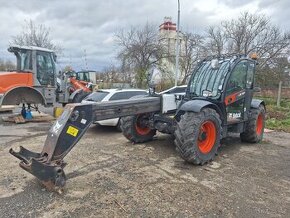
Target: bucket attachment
{"x":50,"y":175}
{"x":68,"y":129}
{"x":48,"y":165}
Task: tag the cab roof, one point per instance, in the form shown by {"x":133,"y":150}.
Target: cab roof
{"x":13,"y":48}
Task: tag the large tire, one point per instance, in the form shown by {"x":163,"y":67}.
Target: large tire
{"x":254,"y":129}
{"x":134,"y":131}
{"x":198,"y":135}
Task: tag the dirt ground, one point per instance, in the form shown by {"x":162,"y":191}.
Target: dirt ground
{"x":110,"y":177}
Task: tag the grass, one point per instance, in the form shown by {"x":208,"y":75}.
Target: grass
{"x":278,"y":118}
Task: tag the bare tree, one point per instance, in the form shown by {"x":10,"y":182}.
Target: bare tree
{"x":111,"y":74}
{"x":140,"y":49}
{"x":7,"y":65}
{"x":252,"y":33}
{"x":35,"y":35}
{"x":216,"y":40}
{"x":246,"y":34}
{"x":192,"y":50}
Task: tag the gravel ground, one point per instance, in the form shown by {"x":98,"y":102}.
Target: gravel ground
{"x":110,"y":177}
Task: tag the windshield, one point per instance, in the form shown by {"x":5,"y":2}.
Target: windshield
{"x":84,"y":76}
{"x":208,"y":79}
{"x":24,"y":60}
{"x":96,"y":96}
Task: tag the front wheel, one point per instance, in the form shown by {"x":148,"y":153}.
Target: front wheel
{"x":254,"y":129}
{"x":198,"y":135}
{"x":136,"y":128}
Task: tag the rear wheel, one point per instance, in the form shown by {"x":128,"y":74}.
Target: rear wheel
{"x":198,"y":135}
{"x":136,"y":128}
{"x":255,"y":127}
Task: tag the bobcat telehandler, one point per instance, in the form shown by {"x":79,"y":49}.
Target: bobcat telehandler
{"x":35,"y":80}
{"x":218,"y":100}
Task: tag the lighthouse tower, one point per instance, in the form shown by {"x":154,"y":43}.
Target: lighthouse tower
{"x":167,"y":34}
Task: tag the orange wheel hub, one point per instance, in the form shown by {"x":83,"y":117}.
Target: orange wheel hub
{"x":141,"y":129}
{"x":207,"y":137}
{"x":259,"y":125}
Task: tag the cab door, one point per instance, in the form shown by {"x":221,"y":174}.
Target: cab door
{"x":45,"y":68}
{"x":235,"y":93}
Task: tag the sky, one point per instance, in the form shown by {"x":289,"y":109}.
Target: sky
{"x":85,"y":29}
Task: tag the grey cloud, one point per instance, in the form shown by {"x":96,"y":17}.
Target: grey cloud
{"x":235,"y":3}
{"x":90,"y":25}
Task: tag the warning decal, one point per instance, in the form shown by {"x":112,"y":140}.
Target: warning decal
{"x":72,"y":131}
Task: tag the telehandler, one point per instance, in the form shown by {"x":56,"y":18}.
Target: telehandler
{"x":218,"y":100}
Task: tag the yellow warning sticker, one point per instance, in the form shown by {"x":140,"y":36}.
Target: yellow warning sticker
{"x":72,"y":131}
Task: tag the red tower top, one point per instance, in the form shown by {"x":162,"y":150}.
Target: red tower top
{"x":167,"y":24}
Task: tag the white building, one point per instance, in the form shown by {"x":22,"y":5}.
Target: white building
{"x":168,"y":36}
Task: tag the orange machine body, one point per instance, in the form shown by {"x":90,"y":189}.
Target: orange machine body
{"x":10,"y":80}
{"x":78,"y":84}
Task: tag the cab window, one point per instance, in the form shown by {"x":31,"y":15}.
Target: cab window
{"x":250,"y":76}
{"x":237,"y":81}
{"x":26,"y":61}
{"x":45,"y":68}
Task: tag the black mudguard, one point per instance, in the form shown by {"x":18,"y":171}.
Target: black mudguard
{"x":22,"y":94}
{"x":197,"y":106}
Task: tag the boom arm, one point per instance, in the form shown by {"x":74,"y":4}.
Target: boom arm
{"x":68,"y":129}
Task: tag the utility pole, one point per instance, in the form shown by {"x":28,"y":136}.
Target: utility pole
{"x":177,"y":47}
{"x":286,"y":71}
{"x":86,"y":62}
{"x":279,"y":94}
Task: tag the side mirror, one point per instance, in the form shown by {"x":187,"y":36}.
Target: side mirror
{"x":257,"y":89}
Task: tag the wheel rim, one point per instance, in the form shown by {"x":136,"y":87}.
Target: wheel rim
{"x":259,"y":126}
{"x":207,"y":137}
{"x":141,"y":130}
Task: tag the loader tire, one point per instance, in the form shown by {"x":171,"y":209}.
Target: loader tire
{"x":254,"y":129}
{"x":134,"y":131}
{"x":198,"y":135}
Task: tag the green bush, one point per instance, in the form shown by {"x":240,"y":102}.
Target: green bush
{"x":278,"y":117}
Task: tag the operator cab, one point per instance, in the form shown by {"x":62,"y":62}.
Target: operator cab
{"x":227,"y":82}
{"x":36,"y":60}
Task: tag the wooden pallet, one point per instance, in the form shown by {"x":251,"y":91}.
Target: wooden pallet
{"x":6,"y":108}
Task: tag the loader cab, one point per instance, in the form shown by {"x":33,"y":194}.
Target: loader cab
{"x":36,"y":60}
{"x":227,"y":83}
